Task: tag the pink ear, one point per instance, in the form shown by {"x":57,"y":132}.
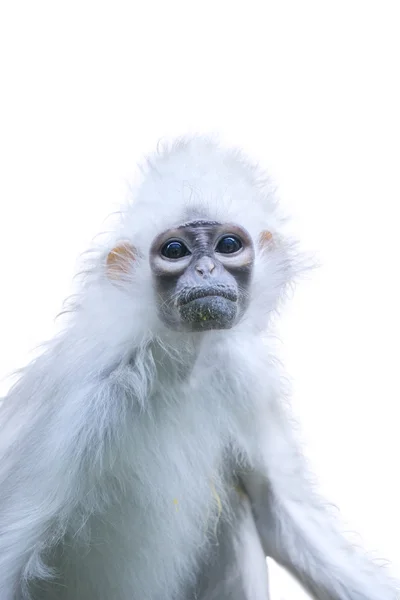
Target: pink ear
{"x":265,"y":239}
{"x":119,"y":260}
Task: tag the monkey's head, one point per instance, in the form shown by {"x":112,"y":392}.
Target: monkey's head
{"x":200,"y":242}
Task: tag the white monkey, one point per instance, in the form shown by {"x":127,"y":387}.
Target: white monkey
{"x":148,"y":453}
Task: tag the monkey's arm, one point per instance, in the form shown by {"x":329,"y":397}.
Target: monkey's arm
{"x":52,"y":452}
{"x":296,"y":528}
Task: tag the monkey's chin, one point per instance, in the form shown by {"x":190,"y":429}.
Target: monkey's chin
{"x":211,"y":312}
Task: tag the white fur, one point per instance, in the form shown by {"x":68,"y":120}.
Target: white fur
{"x":237,"y":570}
{"x":114,"y":442}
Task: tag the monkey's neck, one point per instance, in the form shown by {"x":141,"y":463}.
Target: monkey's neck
{"x":174,"y":355}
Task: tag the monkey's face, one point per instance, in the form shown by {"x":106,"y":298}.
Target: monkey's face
{"x":202,"y":272}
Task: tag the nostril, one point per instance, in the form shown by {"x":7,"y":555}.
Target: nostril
{"x":205,"y":266}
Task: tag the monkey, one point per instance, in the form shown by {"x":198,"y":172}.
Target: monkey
{"x":149,"y":452}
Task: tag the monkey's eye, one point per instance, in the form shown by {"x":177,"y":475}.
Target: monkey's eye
{"x":174,"y":249}
{"x":229,"y":244}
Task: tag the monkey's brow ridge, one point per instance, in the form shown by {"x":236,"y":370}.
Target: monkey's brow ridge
{"x":198,"y":223}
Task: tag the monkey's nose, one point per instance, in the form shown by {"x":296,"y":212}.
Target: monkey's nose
{"x":205,"y":266}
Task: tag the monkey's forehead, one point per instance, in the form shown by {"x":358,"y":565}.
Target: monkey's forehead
{"x":197,"y":180}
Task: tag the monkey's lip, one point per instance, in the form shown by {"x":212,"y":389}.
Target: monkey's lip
{"x":198,"y":293}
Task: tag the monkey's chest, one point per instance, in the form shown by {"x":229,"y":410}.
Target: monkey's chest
{"x":172,"y":482}
{"x":179,"y":469}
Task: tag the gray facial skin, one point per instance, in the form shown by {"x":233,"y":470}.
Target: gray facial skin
{"x":202,"y":272}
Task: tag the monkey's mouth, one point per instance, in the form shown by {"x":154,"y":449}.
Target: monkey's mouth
{"x":209,"y":309}
{"x":207,"y":292}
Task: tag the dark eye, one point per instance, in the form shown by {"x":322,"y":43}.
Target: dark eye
{"x":174,"y":250}
{"x":229,"y":244}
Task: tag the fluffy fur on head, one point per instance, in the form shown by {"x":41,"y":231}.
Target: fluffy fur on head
{"x":191,"y":178}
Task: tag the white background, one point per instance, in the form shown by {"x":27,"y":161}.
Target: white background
{"x":309,"y":88}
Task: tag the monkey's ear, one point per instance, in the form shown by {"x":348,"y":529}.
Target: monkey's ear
{"x":265,"y":240}
{"x":119,"y":260}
